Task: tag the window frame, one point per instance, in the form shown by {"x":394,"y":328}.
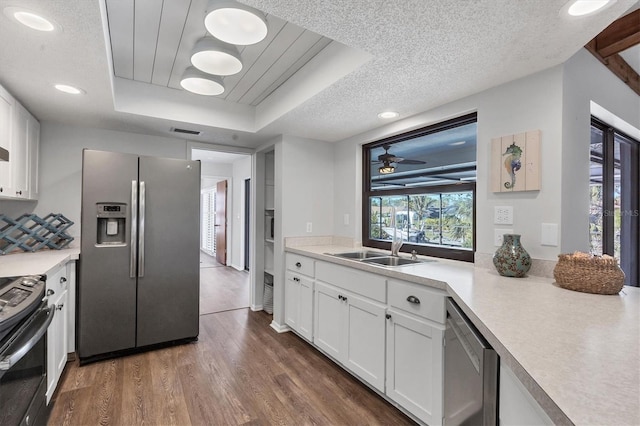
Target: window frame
{"x":608,"y":198}
{"x":466,"y":255}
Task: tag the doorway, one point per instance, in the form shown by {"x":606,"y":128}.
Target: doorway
{"x":247,"y":221}
{"x":224,"y":280}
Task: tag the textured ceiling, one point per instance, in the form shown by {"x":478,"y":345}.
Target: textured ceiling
{"x":423,"y":53}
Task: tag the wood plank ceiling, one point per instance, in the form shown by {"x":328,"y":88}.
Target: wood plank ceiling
{"x":621,"y":35}
{"x":151,"y":42}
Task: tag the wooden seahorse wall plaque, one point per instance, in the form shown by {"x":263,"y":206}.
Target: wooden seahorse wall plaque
{"x":516,"y":162}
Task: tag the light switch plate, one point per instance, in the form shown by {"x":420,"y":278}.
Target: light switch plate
{"x":503,"y":215}
{"x":497,"y":236}
{"x":309,"y":227}
{"x":549,"y":234}
{"x":346,"y":218}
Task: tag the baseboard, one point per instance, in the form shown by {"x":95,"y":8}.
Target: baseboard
{"x":237,"y":268}
{"x":279,"y":328}
{"x":256,"y":308}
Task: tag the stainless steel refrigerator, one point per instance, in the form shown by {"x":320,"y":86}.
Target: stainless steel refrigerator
{"x":139,"y":265}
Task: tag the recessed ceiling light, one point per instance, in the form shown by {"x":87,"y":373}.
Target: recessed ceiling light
{"x":388,"y":114}
{"x":195,"y":81}
{"x":215,"y":57}
{"x":235,"y":23}
{"x":458,"y":143}
{"x":30,"y":19}
{"x":69,"y":89}
{"x":586,"y":7}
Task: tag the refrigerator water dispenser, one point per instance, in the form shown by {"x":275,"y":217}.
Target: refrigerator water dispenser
{"x":112,"y":223}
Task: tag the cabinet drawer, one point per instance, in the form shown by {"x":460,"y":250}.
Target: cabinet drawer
{"x":418,"y":300}
{"x":354,"y":280}
{"x":300,"y":264}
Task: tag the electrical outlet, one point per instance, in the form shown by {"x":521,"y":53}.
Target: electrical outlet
{"x":497,"y":236}
{"x":309,"y":227}
{"x":503,"y":215}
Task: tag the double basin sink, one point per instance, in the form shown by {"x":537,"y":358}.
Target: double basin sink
{"x":376,"y":258}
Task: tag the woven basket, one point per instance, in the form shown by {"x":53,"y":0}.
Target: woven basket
{"x":589,"y":274}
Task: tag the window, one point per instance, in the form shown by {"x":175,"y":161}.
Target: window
{"x":614,"y":212}
{"x":424,"y":182}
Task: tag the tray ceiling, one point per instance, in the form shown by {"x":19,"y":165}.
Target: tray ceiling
{"x":151,"y":42}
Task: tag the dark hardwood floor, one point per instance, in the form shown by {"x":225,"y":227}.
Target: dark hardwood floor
{"x":240,"y":371}
{"x":222,"y":288}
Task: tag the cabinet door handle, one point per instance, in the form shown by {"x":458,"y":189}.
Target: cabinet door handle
{"x":413,"y":299}
{"x":60,"y":306}
{"x":63,"y":280}
{"x":1,"y":189}
{"x":50,"y":292}
{"x":298,"y":264}
{"x":18,"y":192}
{"x":388,"y":316}
{"x":344,"y":298}
{"x":296,"y":279}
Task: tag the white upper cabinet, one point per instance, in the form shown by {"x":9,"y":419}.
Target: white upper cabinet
{"x":20,"y":135}
{"x":6,"y":119}
{"x":33,"y":140}
{"x":20,"y":152}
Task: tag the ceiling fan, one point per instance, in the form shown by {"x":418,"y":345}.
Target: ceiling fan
{"x":387,"y":159}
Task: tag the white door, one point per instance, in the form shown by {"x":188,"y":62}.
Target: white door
{"x":365,"y":339}
{"x":414,"y":366}
{"x":305,"y":308}
{"x":328,"y":320}
{"x":292,"y":300}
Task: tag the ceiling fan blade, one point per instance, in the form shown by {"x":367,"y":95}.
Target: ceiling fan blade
{"x":405,"y":161}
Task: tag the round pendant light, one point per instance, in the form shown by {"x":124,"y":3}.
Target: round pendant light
{"x":235,"y":23}
{"x":215,"y":57}
{"x":195,"y":81}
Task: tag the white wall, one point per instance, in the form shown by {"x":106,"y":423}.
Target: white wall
{"x":307,"y":186}
{"x":61,"y":162}
{"x":241,"y":172}
{"x":531,"y":103}
{"x":586,"y":80}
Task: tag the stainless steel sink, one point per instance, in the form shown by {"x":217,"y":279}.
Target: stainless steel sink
{"x":391,"y":261}
{"x":358,"y":255}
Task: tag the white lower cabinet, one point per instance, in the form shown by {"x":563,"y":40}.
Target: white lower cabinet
{"x":388,"y":333}
{"x":298,"y":304}
{"x":415,"y":366}
{"x":57,"y":333}
{"x":351,"y":329}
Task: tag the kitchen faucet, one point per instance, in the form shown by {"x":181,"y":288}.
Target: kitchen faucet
{"x":396,"y":241}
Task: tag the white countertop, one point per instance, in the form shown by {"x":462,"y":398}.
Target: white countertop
{"x":576,"y":353}
{"x":37,"y":263}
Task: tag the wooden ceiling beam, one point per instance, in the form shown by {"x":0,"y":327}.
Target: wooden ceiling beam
{"x":620,"y":35}
{"x":618,"y":66}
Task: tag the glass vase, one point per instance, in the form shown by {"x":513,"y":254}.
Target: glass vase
{"x":511,"y":259}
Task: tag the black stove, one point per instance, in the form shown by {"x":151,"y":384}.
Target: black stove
{"x":19,"y":297}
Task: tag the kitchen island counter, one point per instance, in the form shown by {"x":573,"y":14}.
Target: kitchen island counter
{"x":576,"y":353}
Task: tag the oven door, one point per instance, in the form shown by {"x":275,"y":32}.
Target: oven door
{"x":23,"y":364}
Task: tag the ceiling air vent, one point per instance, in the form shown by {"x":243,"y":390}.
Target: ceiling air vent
{"x":186,"y":131}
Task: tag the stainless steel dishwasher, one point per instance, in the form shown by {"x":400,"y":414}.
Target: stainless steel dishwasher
{"x":470,"y":373}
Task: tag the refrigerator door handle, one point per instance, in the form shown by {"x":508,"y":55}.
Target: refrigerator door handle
{"x":134,"y":228}
{"x":141,"y":232}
